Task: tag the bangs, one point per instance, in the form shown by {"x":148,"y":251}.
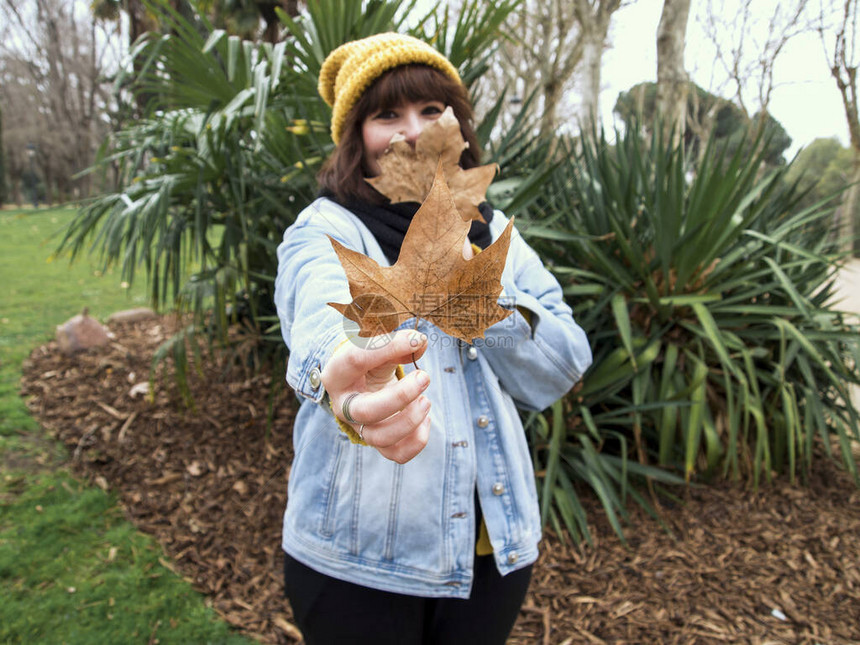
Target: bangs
{"x":407,"y":83}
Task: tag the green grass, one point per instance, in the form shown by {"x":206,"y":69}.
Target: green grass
{"x":72,"y":570}
{"x":40,"y":292}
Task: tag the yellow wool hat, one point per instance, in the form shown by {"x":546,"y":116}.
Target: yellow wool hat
{"x":351,"y":68}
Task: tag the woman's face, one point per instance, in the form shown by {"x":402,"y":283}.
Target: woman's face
{"x":407,"y":119}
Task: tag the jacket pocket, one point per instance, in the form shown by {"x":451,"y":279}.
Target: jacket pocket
{"x":329,"y":500}
{"x":393,"y":512}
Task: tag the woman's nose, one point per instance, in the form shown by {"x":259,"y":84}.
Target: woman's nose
{"x":412,"y":127}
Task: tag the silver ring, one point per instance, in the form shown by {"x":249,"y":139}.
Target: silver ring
{"x":361,"y":432}
{"x":345,"y":407}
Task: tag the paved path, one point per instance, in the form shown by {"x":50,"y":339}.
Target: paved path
{"x":848,"y":284}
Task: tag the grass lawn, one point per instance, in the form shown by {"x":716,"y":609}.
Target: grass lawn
{"x":72,"y":570}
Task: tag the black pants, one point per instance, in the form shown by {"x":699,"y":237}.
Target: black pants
{"x":330,"y":611}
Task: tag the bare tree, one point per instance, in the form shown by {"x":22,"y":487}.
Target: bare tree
{"x":538,"y":59}
{"x":748,"y":46}
{"x":53,"y":61}
{"x":549,"y":43}
{"x":594,"y":17}
{"x":672,"y":79}
{"x":839,"y":37}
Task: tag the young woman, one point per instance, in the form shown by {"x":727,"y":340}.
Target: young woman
{"x":412,"y":514}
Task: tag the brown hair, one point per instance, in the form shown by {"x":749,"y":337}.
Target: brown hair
{"x":342,"y":175}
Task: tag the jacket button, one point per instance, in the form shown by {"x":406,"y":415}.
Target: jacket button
{"x":498,"y":488}
{"x":513,"y":557}
{"x":314,"y":378}
{"x":483,"y":421}
{"x":472,"y":353}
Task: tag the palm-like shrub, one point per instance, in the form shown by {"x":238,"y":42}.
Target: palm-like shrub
{"x":226,"y":158}
{"x":199,"y":205}
{"x":707,"y":295}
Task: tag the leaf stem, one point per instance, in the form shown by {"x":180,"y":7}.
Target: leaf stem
{"x":415,"y":327}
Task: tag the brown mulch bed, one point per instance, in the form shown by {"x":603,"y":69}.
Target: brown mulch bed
{"x":781,"y":565}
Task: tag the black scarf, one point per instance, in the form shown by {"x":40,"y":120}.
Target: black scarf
{"x":389,"y":222}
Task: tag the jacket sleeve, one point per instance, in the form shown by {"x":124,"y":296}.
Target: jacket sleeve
{"x":309,"y":277}
{"x":539,"y":352}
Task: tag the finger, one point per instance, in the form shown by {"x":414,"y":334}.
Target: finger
{"x":397,"y":427}
{"x":373,"y":407}
{"x":351,"y":362}
{"x":408,"y":447}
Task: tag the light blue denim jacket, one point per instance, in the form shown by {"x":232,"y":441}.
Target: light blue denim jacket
{"x":354,"y":515}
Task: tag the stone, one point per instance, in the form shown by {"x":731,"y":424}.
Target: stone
{"x":81,"y":333}
{"x":132,"y":315}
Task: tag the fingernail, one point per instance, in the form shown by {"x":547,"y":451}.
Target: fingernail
{"x":425,"y":404}
{"x":423,"y":380}
{"x":417,"y":339}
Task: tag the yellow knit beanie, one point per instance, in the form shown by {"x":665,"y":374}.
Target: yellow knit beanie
{"x":351,"y":68}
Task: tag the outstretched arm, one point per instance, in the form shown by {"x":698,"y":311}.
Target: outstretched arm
{"x":322,"y":361}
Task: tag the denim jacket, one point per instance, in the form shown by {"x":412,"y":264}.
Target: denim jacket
{"x":354,"y":515}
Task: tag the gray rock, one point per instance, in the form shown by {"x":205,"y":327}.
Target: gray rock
{"x":80,"y":333}
{"x":132,"y":315}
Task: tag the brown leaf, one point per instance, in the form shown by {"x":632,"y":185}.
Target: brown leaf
{"x":431,"y":279}
{"x":167,"y":478}
{"x":287,"y":627}
{"x":407,"y":173}
{"x":195,"y":468}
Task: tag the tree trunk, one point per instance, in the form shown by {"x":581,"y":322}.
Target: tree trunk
{"x":844,"y":71}
{"x":850,"y":225}
{"x":700,"y":121}
{"x":270,"y":17}
{"x":138,"y":24}
{"x":592,"y":54}
{"x":552,"y":91}
{"x":3,"y":196}
{"x":49,"y":184}
{"x":15,"y":183}
{"x":672,"y":81}
{"x":594,"y":17}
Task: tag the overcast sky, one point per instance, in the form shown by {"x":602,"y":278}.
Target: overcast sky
{"x":805,"y":99}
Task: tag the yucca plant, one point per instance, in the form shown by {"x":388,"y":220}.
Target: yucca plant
{"x":707,"y":295}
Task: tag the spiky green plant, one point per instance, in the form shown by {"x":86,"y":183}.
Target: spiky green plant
{"x":226,"y":159}
{"x":708,"y":297}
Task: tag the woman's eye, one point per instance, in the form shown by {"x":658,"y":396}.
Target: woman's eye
{"x":386,"y":115}
{"x":432,"y":109}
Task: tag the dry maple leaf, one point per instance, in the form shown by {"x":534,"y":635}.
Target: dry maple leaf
{"x":431,"y":279}
{"x":406,"y":173}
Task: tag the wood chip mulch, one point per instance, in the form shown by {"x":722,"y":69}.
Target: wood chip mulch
{"x":781,"y":565}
